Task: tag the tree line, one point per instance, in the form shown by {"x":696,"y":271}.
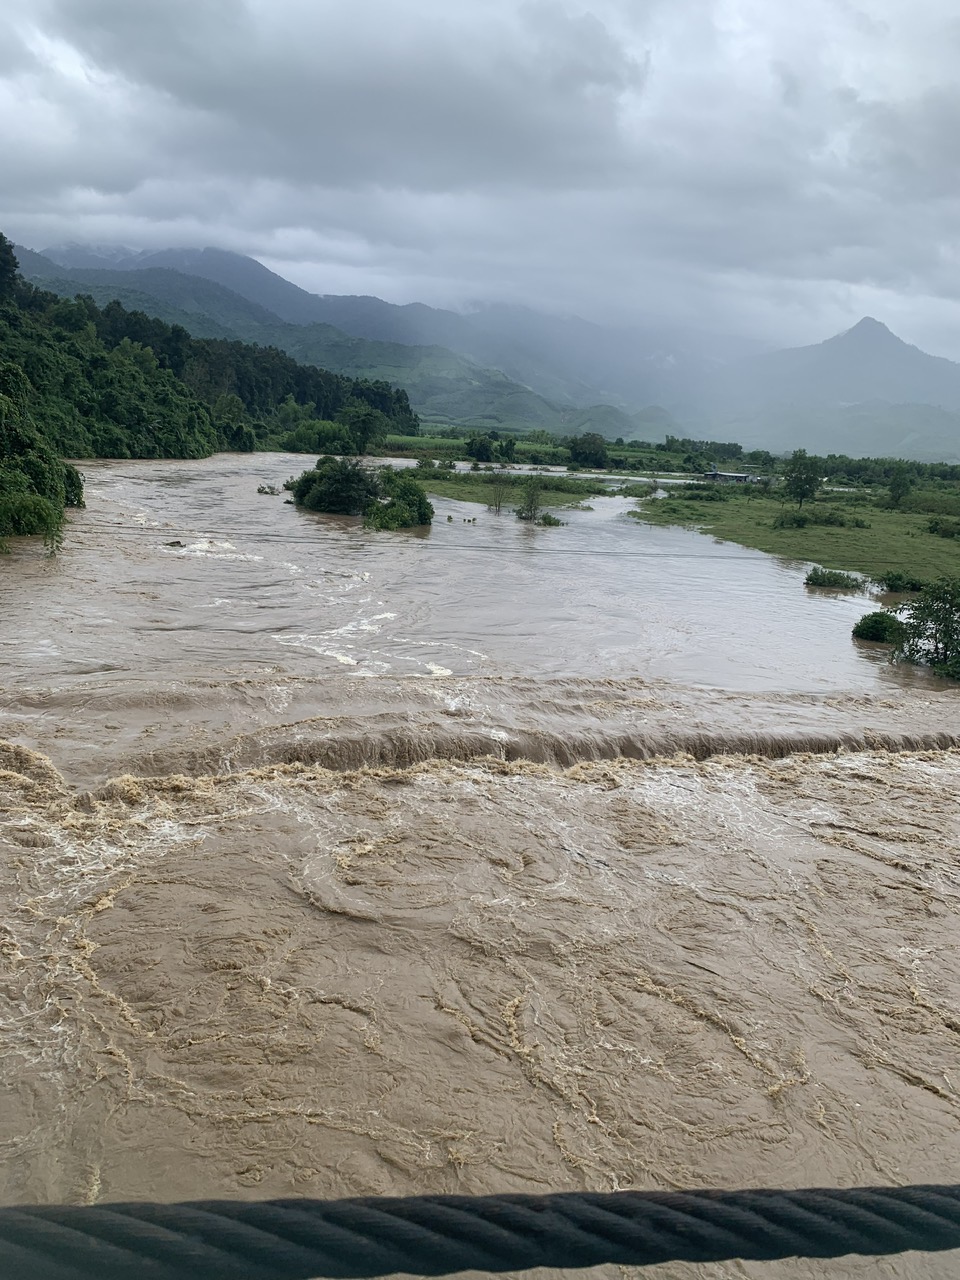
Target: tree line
{"x":81,"y":381}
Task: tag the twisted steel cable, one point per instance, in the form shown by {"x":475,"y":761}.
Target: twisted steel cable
{"x":436,"y":1235}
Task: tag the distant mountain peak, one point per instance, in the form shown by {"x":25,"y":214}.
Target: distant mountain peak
{"x":869,"y":330}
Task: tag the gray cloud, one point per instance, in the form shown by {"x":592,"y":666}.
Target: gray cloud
{"x":774,"y":169}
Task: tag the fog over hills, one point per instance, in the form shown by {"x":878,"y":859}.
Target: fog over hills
{"x":867,"y":362}
{"x":861,"y":391}
{"x":565,"y":358}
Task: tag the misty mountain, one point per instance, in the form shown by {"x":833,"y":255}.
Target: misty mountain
{"x":443,"y":386}
{"x":203,"y":309}
{"x":37,"y":266}
{"x":90,"y":255}
{"x":866,"y":363}
{"x":864,"y":391}
{"x":566,"y":359}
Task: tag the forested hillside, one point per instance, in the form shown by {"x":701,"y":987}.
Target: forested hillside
{"x":445,"y":386}
{"x":80,"y":381}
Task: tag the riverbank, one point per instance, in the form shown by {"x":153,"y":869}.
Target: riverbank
{"x":892,"y":540}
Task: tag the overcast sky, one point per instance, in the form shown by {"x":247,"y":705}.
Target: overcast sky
{"x":767,"y":167}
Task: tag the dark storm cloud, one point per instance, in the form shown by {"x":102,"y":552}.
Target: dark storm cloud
{"x":365,"y":94}
{"x":780,"y":169}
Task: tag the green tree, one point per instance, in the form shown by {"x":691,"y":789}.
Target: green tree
{"x":882,"y":626}
{"x":931,"y":628}
{"x":801,"y":476}
{"x":480,"y":448}
{"x":335,"y":485}
{"x":406,"y":506}
{"x":901,"y":482}
{"x":531,"y":505}
{"x":9,"y":268}
{"x":499,"y":491}
{"x":365,"y":424}
{"x":588,"y":450}
{"x":35,"y":485}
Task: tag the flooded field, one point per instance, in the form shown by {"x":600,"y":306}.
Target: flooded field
{"x":487,"y":858}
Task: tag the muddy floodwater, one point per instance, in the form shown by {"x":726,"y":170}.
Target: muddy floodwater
{"x":483,"y":858}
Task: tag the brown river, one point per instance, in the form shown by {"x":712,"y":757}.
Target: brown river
{"x":483,"y":858}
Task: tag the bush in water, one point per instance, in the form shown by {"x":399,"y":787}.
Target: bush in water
{"x":406,"y":506}
{"x":336,"y":486}
{"x":882,"y":626}
{"x":820,"y":577}
{"x":899,"y":581}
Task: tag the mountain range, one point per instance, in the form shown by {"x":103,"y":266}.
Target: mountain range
{"x":864,"y":391}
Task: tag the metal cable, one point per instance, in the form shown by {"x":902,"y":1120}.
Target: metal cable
{"x":436,"y":1235}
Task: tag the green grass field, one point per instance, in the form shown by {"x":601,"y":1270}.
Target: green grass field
{"x":894,"y":540}
{"x":478,"y":486}
{"x":478,"y":492}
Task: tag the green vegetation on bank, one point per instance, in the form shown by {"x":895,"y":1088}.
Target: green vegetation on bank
{"x":588,"y":451}
{"x":852,"y":532}
{"x":35,"y":485}
{"x":696,"y":458}
{"x":497,"y":488}
{"x":80,"y":381}
{"x":119,"y":384}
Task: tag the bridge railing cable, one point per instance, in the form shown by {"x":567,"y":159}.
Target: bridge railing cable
{"x":437,"y":1235}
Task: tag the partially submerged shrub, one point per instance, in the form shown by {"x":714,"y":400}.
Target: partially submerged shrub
{"x":407,"y":505}
{"x":531,"y":506}
{"x":882,"y":626}
{"x":24,"y":515}
{"x":896,"y":580}
{"x":335,"y":485}
{"x":820,"y":577}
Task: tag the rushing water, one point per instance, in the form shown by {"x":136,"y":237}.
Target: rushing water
{"x":470,"y":859}
{"x":183,"y":569}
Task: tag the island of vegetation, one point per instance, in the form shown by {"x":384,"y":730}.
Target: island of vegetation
{"x":384,"y":497}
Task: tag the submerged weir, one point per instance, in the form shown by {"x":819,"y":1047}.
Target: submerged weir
{"x":340,"y":864}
